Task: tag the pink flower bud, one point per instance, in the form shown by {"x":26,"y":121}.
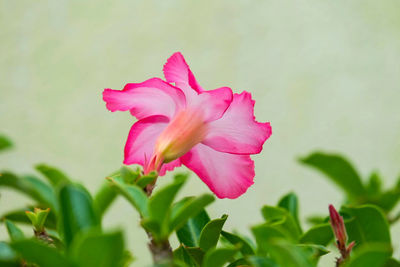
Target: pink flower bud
{"x":338,"y":226}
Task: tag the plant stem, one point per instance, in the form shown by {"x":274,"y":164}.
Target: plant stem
{"x":160,"y":251}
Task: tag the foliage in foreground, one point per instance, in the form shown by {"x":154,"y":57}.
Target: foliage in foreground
{"x":67,"y":231}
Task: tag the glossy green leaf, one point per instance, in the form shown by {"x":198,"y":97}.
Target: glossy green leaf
{"x":5,"y":143}
{"x":217,"y":257}
{"x":371,"y":255}
{"x":41,"y":254}
{"x":191,"y":208}
{"x":320,"y":234}
{"x":133,"y":194}
{"x":290,"y":203}
{"x":100,"y":250}
{"x":189,"y":234}
{"x":161,"y":201}
{"x":283,"y":220}
{"x":52,"y":174}
{"x":239,"y":242}
{"x":392,"y":263}
{"x":367,"y":225}
{"x":13,"y":231}
{"x":77,"y":212}
{"x":285,"y":254}
{"x":239,"y":263}
{"x":209,"y":236}
{"x":340,"y":171}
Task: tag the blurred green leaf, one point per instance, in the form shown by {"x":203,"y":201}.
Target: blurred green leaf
{"x":182,"y":255}
{"x":314,"y":251}
{"x":7,"y":255}
{"x":77,"y":212}
{"x":99,"y":250}
{"x":374,"y":185}
{"x":43,"y":255}
{"x":104,"y":198}
{"x":144,"y":180}
{"x":258,"y":261}
{"x":189,"y":234}
{"x":265,"y":234}
{"x":19,"y":216}
{"x":281,"y":219}
{"x":239,"y":242}
{"x":291,"y":204}
{"x":317,"y":219}
{"x":197,"y":254}
{"x":32,"y":187}
{"x":371,"y":255}
{"x":5,"y":143}
{"x":13,"y":231}
{"x":52,"y":174}
{"x":340,"y":171}
{"x":319,"y":234}
{"x":209,"y":236}
{"x":367,"y":225}
{"x":217,"y":257}
{"x":128,"y":175}
{"x":133,"y":194}
{"x":191,"y":208}
{"x":392,"y":263}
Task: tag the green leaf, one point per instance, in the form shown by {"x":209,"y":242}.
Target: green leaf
{"x":340,"y":171}
{"x":239,"y":242}
{"x":319,"y":234}
{"x":52,"y":174}
{"x":258,"y":261}
{"x":32,"y":187}
{"x":160,"y":203}
{"x":181,"y":255}
{"x":392,"y":263}
{"x":374,"y":185}
{"x":191,"y":208}
{"x":288,"y":255}
{"x":290,"y":203}
{"x":189,"y":234}
{"x":371,"y":255}
{"x":7,"y":254}
{"x":43,"y":255}
{"x":104,"y":198}
{"x":77,"y":212}
{"x":143,"y":181}
{"x":281,"y":219}
{"x":368,"y":225}
{"x":13,"y":231}
{"x":133,"y":194}
{"x":100,"y":250}
{"x":197,"y":254}
{"x":217,"y":257}
{"x":314,"y":251}
{"x":5,"y":143}
{"x":128,"y":175}
{"x":265,"y":234}
{"x":19,"y":216}
{"x":209,"y":236}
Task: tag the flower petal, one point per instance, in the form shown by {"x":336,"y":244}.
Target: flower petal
{"x":141,"y":141}
{"x":237,"y":131}
{"x":152,"y":97}
{"x":227,"y":175}
{"x":213,"y":103}
{"x":177,"y":71}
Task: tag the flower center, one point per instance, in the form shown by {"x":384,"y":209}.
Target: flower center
{"x":186,"y":130}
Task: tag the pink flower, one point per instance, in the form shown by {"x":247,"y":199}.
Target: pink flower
{"x":213,"y":132}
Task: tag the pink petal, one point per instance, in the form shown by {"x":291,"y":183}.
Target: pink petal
{"x":213,"y":103}
{"x":227,"y":175}
{"x":237,"y":131}
{"x":152,"y":97}
{"x":177,"y":71}
{"x":141,"y":141}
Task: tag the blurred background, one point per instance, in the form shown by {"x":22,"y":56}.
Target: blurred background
{"x":324,"y":73}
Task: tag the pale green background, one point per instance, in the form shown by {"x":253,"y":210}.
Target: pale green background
{"x":324,"y":73}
